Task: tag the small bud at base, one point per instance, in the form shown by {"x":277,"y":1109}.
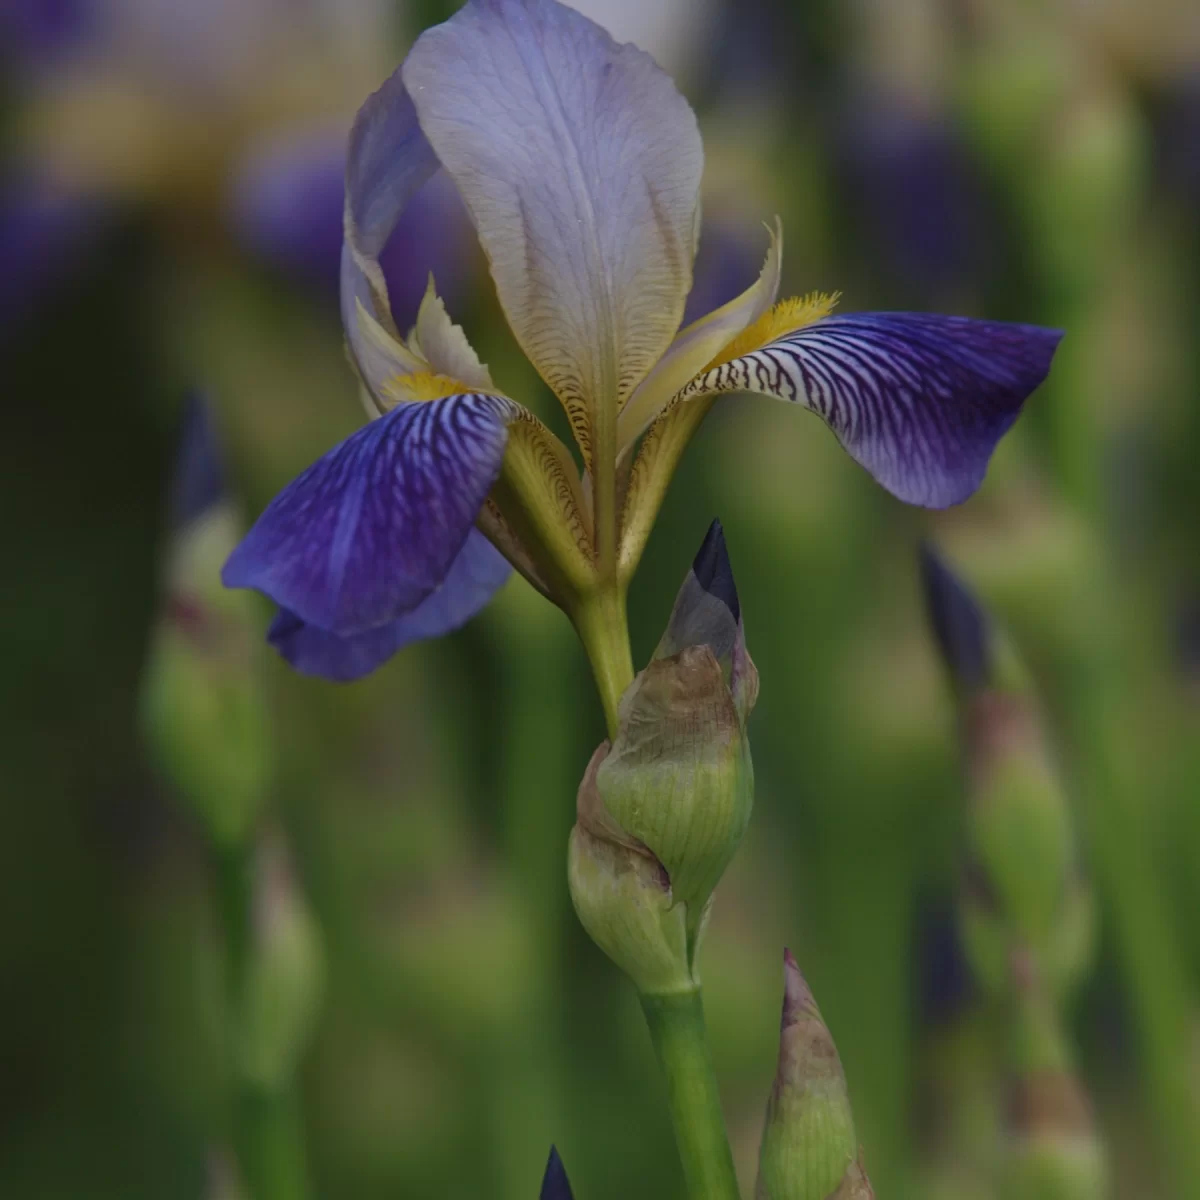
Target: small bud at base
{"x":809,"y":1148}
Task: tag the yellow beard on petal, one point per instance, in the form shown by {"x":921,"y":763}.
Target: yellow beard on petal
{"x":786,"y":317}
{"x":422,"y":385}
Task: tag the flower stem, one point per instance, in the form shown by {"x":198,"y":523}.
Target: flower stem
{"x":676,"y":1024}
{"x":267,"y":1128}
{"x":603,"y":628}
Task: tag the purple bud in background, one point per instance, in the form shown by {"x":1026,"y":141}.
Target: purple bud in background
{"x":554,"y":1183}
{"x":286,"y":204}
{"x":198,"y":482}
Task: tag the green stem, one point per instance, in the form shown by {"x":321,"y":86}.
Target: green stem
{"x":1159,"y":991}
{"x":603,"y":628}
{"x":269,"y":1139}
{"x":676,"y":1024}
{"x":267,"y":1127}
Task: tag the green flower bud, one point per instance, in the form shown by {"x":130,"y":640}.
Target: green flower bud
{"x":203,"y":707}
{"x":662,"y":810}
{"x":623,"y":896}
{"x":284,"y":975}
{"x":1050,"y":1149}
{"x":809,"y":1148}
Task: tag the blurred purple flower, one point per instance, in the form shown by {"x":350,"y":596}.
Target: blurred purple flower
{"x":727,"y":260}
{"x":580,"y":164}
{"x":1178,"y":136}
{"x":42,"y":226}
{"x":912,"y":184}
{"x":286,"y":207}
{"x":34,"y":32}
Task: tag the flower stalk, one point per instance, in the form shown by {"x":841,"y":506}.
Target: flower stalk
{"x":661,"y":810}
{"x":677,"y":1031}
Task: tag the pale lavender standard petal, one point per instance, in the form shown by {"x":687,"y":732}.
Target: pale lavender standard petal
{"x":580,"y":164}
{"x":475,"y":576}
{"x":372,"y":528}
{"x":919,"y":400}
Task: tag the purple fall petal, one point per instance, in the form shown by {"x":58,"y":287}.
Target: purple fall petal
{"x":473,"y":579}
{"x":372,"y":528}
{"x":920,"y":400}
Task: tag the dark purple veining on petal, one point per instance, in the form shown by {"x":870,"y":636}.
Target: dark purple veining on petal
{"x":920,"y":400}
{"x":555,"y":1185}
{"x":372,"y":528}
{"x":474,"y":577}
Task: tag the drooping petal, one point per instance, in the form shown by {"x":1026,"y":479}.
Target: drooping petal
{"x":697,"y":345}
{"x":919,"y":400}
{"x":372,"y":528}
{"x":444,"y":346}
{"x":580,"y":164}
{"x":388,"y":159}
{"x":474,"y":577}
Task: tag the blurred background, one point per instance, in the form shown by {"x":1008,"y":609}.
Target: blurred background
{"x":170,"y":220}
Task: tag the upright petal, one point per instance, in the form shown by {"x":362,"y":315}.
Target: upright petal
{"x":387,"y":161}
{"x":918,"y":399}
{"x":370,"y":530}
{"x":697,"y":345}
{"x":475,"y":576}
{"x":580,"y":164}
{"x":444,"y":346}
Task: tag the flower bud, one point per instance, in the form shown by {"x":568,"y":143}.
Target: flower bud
{"x":809,"y":1148}
{"x":1022,"y":885}
{"x":555,"y":1185}
{"x":203,"y":708}
{"x":284,"y":974}
{"x":663,"y":809}
{"x":1050,"y":1149}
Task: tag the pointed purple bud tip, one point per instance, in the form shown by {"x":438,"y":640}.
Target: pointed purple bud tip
{"x":958,"y":621}
{"x":555,"y":1185}
{"x":713,"y":570}
{"x":198,"y":483}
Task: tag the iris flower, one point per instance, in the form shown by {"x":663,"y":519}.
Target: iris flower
{"x":579,"y":163}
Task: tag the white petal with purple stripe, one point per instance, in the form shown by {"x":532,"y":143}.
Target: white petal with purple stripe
{"x":919,"y":400}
